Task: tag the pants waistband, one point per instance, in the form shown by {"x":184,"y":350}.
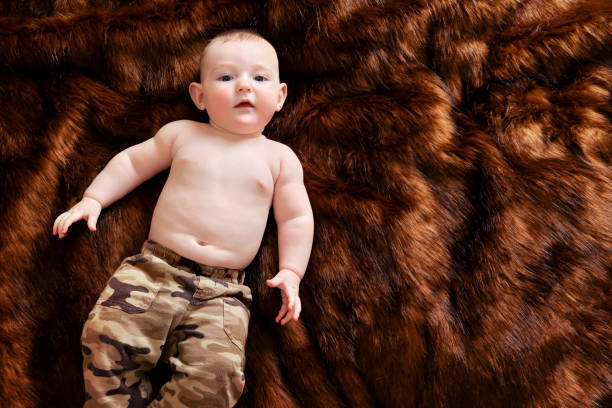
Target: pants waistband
{"x":178,"y":261}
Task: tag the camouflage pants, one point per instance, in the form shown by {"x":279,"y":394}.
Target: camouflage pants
{"x":158,"y":305}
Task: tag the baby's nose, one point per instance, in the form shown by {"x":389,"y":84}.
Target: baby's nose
{"x":244,"y":85}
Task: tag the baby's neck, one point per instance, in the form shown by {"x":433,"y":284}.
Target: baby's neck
{"x":232,"y":136}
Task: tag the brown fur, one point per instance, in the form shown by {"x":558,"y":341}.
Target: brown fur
{"x":458,"y":156}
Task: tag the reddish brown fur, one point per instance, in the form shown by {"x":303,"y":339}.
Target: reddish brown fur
{"x":458,"y":159}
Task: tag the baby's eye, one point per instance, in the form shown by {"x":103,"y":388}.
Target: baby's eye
{"x":260,"y":78}
{"x":225,"y":78}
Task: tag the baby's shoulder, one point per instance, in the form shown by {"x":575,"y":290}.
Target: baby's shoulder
{"x":181,"y":126}
{"x":184,"y":130}
{"x":278,"y":150}
{"x":285,"y":159}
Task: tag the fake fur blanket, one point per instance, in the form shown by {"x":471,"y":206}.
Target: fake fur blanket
{"x":457,"y":156}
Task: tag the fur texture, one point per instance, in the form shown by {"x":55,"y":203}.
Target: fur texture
{"x":458,"y":157}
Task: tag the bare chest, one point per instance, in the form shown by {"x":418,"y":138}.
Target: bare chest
{"x":242,"y":169}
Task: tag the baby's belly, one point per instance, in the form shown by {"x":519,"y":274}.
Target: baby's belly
{"x":208,"y":232}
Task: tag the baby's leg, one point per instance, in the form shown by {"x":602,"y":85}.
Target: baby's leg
{"x":207,"y":357}
{"x":124,"y":334}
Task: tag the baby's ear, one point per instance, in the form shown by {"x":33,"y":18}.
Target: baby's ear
{"x":197,"y":96}
{"x":282,"y":95}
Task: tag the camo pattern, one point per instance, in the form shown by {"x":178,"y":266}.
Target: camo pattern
{"x":160,"y":305}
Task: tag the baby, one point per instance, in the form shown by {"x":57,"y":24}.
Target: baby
{"x":182,"y":299}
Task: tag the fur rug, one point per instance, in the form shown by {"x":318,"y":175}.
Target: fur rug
{"x":457,"y":154}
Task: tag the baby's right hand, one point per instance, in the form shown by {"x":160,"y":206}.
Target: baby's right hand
{"x":88,"y":209}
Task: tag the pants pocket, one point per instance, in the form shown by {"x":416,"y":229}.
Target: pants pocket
{"x":236,"y":320}
{"x":131,"y":289}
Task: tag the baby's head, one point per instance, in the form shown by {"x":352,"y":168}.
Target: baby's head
{"x":239,"y":83}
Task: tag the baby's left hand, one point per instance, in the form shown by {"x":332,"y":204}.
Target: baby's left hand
{"x":289,"y":284}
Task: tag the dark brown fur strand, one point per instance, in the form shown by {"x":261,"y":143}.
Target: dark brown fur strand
{"x":458,"y":160}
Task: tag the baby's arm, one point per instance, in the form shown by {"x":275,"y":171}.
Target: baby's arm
{"x":295,"y":225}
{"x":122,"y":174}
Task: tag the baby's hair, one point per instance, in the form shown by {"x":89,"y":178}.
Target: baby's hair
{"x":237,"y":34}
{"x":233,"y":34}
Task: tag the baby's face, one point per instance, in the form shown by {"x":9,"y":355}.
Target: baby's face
{"x":240,"y":85}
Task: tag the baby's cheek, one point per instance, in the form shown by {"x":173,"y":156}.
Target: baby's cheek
{"x":220,"y":103}
{"x":221,"y":95}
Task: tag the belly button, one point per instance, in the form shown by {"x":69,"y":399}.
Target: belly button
{"x":201,"y":243}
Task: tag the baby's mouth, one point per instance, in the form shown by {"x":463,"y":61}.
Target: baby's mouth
{"x":244,"y":104}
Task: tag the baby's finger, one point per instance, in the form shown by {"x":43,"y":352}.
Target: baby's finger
{"x":61,"y":227}
{"x":289,"y":314}
{"x":287,"y":318}
{"x":77,"y":215}
{"x":58,"y":220}
{"x":291,"y":301}
{"x":60,"y":223}
{"x":91,"y":221}
{"x":283,"y":312}
{"x":55,"y":224}
{"x":298,"y":309}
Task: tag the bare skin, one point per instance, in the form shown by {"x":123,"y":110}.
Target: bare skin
{"x":224,"y":176}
